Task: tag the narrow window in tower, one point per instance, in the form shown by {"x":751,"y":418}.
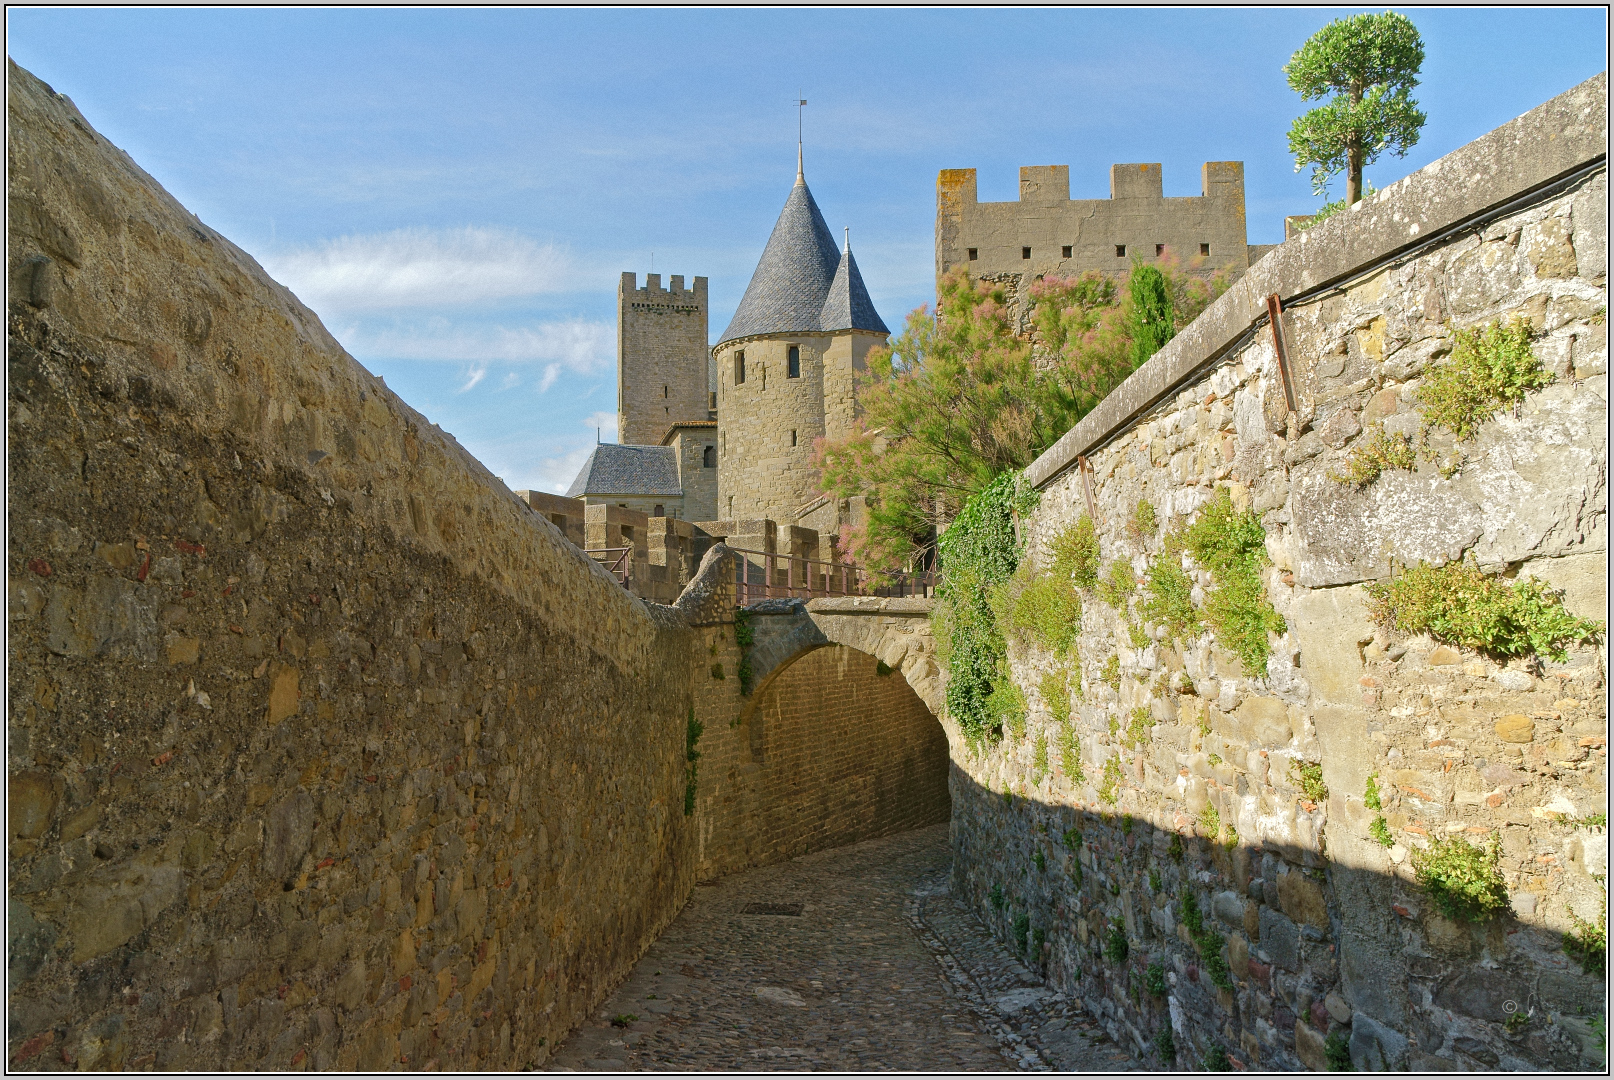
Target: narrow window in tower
{"x":723,"y":437}
{"x":793,"y":355}
{"x":973,"y":255}
{"x":1204,"y":249}
{"x":1025,"y":253}
{"x":711,"y":401}
{"x":1159,"y":250}
{"x":792,"y":436}
{"x":731,"y":507}
{"x":664,"y":391}
{"x":1064,"y":252}
{"x":1120,"y":251}
{"x":762,"y":372}
{"x":709,"y":458}
{"x":739,"y":367}
{"x":660,"y":511}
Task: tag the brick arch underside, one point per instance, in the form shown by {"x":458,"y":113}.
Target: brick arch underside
{"x":846,"y":754}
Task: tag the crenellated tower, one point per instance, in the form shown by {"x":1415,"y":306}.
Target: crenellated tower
{"x":661,"y":356}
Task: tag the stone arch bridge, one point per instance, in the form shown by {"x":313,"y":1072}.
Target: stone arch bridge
{"x":894,"y":630}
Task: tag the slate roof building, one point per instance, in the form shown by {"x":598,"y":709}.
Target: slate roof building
{"x":785,"y":368}
{"x":779,"y":379}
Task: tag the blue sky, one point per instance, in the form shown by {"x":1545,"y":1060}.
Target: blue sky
{"x":455,"y":192}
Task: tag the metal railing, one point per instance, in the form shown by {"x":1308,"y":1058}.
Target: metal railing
{"x":620,"y":568}
{"x":766,"y":575}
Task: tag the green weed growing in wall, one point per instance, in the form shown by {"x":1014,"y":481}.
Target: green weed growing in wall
{"x":1117,"y":585}
{"x":1371,"y":799}
{"x":1110,"y":788}
{"x":1006,"y":704}
{"x":1143,"y":523}
{"x":1216,"y":1059}
{"x":1337,"y":1053}
{"x":1211,"y":821}
{"x":1126,"y":824}
{"x":1022,"y":929}
{"x":1039,"y":759}
{"x":1188,"y":912}
{"x":1116,"y":947}
{"x":995,"y":897}
{"x":1070,"y":753}
{"x":744,"y":632}
{"x":1055,"y":693}
{"x":1489,"y":369}
{"x":1075,"y":554}
{"x":1165,"y":1045}
{"x":1039,"y":860}
{"x":1137,"y":730}
{"x":1174,"y":851}
{"x":692,"y":735}
{"x":1072,"y":839}
{"x":978,"y":553}
{"x":1463,"y":880}
{"x":1372,"y":454}
{"x":1154,"y":980}
{"x":1111,"y":672}
{"x":1154,"y":881}
{"x":717,"y":671}
{"x":1170,"y":597}
{"x":1231,"y":544}
{"x":1309,"y":775}
{"x":1459,"y":604}
{"x":1379,"y":829}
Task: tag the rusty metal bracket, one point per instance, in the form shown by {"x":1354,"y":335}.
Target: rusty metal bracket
{"x":1087,"y":487}
{"x":1281,"y":347}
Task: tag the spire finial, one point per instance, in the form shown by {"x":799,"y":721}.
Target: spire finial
{"x":848,"y":231}
{"x":800,"y":177}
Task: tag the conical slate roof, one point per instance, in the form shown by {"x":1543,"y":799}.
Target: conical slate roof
{"x":787,"y":291}
{"x":848,"y":306}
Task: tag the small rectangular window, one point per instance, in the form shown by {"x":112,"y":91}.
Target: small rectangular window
{"x":709,"y":458}
{"x":664,"y":391}
{"x":739,"y":367}
{"x":711,"y":400}
{"x":1204,"y":249}
{"x":1064,"y":252}
{"x":1159,"y":250}
{"x":660,"y":511}
{"x":1120,"y":251}
{"x":792,"y":436}
{"x":793,"y":358}
{"x":973,"y":254}
{"x":1025,"y":253}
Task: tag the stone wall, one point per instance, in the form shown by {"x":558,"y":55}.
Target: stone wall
{"x":325,"y":749}
{"x":1046,"y":232}
{"x":661,"y":357}
{"x":829,"y":752}
{"x":1326,"y":932}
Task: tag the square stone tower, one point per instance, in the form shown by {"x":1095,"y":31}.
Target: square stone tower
{"x":661,"y":357}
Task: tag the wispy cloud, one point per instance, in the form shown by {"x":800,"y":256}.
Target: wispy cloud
{"x":579,"y":344}
{"x":605,"y":421}
{"x":551,"y":373}
{"x":422,"y":267}
{"x":475,"y":375}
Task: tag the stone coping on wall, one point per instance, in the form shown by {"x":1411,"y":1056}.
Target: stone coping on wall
{"x":1546,"y":144}
{"x":871,"y":605}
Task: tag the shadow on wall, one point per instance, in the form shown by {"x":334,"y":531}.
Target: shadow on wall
{"x":1197,"y":949}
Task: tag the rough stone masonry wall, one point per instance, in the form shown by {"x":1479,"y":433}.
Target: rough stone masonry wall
{"x":1326,"y":931}
{"x":323,"y":750}
{"x":828,"y":752}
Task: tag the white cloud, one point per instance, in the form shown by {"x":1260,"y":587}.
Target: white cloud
{"x":476,"y":375}
{"x":511,"y":379}
{"x":551,"y":373}
{"x":416,"y":267}
{"x":578,"y":344}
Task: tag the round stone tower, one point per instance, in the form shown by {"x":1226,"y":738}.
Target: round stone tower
{"x":785,"y":365}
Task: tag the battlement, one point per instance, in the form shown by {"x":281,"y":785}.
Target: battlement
{"x":652,"y":292}
{"x":1047,"y":232}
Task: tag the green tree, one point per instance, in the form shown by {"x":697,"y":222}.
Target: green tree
{"x":958,"y":398}
{"x":1369,"y":63}
{"x":1151,"y":320}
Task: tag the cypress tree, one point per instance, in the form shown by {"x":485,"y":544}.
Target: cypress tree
{"x":1151,"y":319}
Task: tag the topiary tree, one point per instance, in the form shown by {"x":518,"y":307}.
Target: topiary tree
{"x":1369,"y":63}
{"x":1151,"y":320}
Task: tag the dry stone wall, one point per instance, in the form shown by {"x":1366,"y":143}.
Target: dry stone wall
{"x":1188,"y":789}
{"x":324,"y":749}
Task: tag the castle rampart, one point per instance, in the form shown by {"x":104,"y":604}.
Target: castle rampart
{"x":1048,"y":233}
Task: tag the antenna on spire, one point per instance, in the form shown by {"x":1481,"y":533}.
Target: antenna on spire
{"x":800,"y":178}
{"x":848,"y":231}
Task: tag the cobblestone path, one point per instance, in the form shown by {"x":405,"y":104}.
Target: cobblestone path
{"x":849,"y":959}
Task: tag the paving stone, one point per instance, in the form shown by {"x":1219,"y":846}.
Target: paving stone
{"x":881,"y":971}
